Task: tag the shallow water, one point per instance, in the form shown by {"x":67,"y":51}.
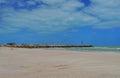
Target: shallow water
{"x":96,"y":49}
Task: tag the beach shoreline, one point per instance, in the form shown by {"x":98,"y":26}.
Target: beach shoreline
{"x":42,"y":63}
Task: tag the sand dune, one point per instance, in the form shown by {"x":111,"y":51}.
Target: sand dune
{"x":40,"y":63}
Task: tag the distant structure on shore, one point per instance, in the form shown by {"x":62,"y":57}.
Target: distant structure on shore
{"x":43,"y":46}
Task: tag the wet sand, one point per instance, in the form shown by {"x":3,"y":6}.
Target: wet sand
{"x":40,"y":63}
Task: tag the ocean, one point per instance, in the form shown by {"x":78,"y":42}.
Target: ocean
{"x":95,"y":49}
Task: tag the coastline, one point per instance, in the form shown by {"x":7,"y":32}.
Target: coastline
{"x":42,"y":63}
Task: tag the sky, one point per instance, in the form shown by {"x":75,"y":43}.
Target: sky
{"x":95,"y":22}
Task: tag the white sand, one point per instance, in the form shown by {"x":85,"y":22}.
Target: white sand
{"x":38,"y":63}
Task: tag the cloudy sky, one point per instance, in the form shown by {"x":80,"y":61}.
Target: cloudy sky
{"x":94,"y":22}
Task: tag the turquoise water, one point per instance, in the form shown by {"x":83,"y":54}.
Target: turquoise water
{"x":95,"y":49}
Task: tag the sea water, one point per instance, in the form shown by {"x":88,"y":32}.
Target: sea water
{"x":95,"y":49}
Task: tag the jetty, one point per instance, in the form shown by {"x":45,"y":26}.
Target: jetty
{"x":43,"y":46}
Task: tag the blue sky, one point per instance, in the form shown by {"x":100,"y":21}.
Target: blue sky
{"x":94,"y":22}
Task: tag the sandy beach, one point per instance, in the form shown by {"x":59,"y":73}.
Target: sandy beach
{"x":40,"y":63}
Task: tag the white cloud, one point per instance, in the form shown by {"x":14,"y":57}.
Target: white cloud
{"x":31,"y":2}
{"x":53,"y":2}
{"x":2,"y":1}
{"x":106,"y":3}
{"x":47,"y":20}
{"x":21,"y":4}
{"x":72,"y":5}
{"x":107,"y":11}
{"x":62,"y":15}
{"x":108,"y":24}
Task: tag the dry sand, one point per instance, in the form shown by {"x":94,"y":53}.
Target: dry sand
{"x":39,"y":63}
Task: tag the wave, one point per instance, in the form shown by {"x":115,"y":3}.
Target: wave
{"x":118,"y":48}
{"x":107,"y":48}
